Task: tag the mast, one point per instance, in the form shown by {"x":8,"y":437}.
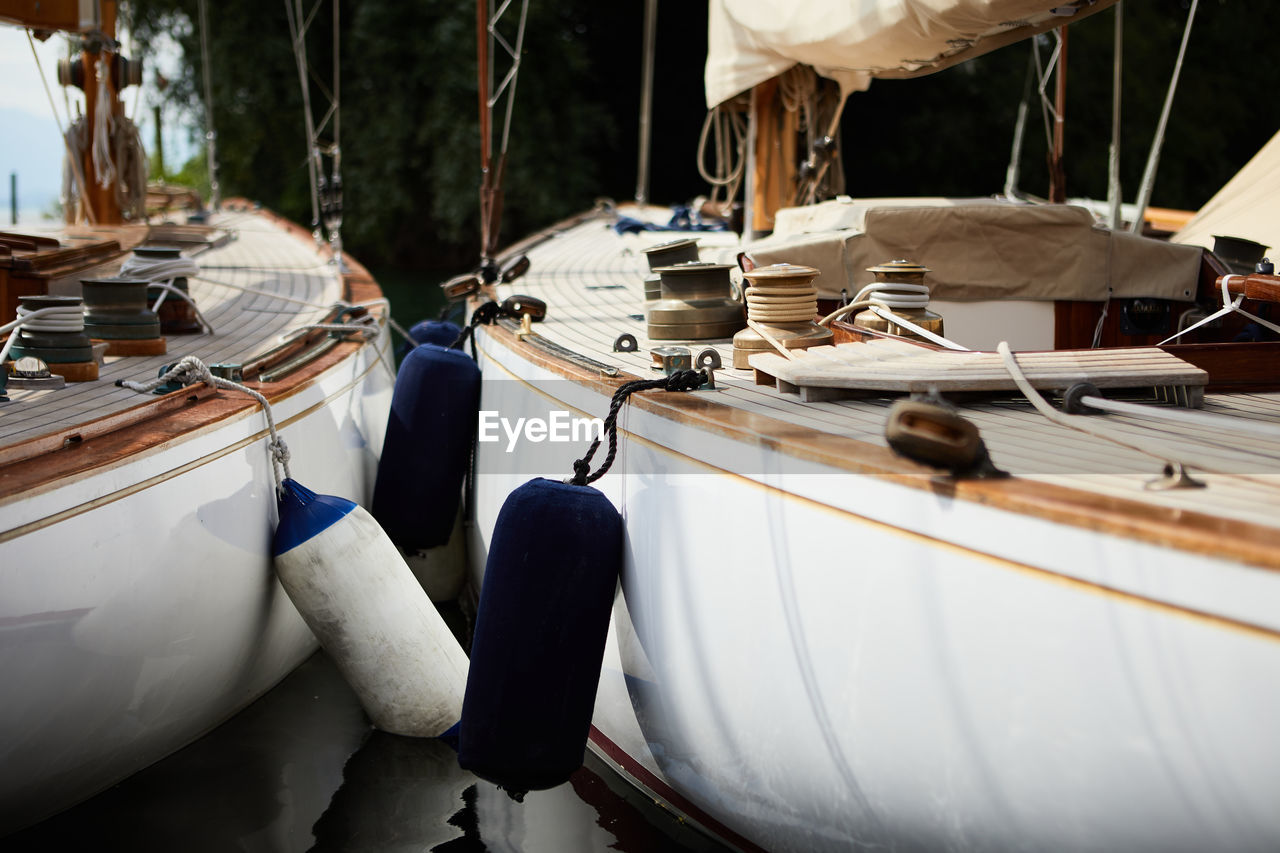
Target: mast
{"x":487,"y":189}
{"x":1057,"y":175}
{"x":491,"y":166}
{"x":646,"y":100}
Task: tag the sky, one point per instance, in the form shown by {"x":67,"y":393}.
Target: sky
{"x":29,"y":141}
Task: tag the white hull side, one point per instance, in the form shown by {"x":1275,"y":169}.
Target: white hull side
{"x":817,"y":660}
{"x":138,"y":606}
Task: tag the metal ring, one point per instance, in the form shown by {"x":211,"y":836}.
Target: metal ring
{"x":626,"y":342}
{"x":708,"y":358}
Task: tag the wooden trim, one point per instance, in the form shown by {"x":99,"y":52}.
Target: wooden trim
{"x":1194,"y":532}
{"x":38,"y":465}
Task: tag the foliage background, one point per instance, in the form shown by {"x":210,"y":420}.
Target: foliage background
{"x":409,"y":113}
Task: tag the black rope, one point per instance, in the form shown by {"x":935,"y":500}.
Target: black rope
{"x":681,"y":380}
{"x":487,"y":314}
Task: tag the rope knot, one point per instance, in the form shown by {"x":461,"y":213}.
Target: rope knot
{"x":581,"y":470}
{"x":686,"y":380}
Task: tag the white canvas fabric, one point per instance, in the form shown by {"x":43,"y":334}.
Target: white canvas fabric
{"x":1248,"y":206}
{"x":852,"y":41}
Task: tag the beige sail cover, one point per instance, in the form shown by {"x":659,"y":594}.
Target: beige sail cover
{"x":978,"y":249}
{"x":851,"y":41}
{"x":1248,"y":206}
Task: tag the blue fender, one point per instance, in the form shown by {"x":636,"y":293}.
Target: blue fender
{"x":427,"y":447}
{"x":541,"y":628}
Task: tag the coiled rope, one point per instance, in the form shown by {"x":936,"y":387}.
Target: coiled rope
{"x":191,"y":370}
{"x":161,"y":272}
{"x":726,"y":125}
{"x":57,"y":318}
{"x":681,"y":380}
{"x":882,"y":296}
{"x":782,"y":303}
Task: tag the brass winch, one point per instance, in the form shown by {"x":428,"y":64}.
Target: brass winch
{"x":666,"y":254}
{"x":695,"y":303}
{"x":781,"y":304}
{"x":898,"y":289}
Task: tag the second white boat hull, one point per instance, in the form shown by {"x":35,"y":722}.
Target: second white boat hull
{"x":804,"y":658}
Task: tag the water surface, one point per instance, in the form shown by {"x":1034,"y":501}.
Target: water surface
{"x":302,"y":770}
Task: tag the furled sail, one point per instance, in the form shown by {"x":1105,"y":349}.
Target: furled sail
{"x":1245,"y":207}
{"x":852,"y":41}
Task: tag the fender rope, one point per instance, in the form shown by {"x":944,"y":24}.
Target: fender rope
{"x":190,"y":370}
{"x":681,"y":380}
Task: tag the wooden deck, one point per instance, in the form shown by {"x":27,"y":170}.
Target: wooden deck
{"x":592,"y":280}
{"x":252,"y":289}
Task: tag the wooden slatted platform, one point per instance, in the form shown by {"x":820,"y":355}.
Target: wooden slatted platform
{"x":833,"y":372}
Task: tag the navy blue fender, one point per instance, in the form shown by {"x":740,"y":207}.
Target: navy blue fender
{"x":438,"y":332}
{"x":540,"y":634}
{"x":427,"y":447}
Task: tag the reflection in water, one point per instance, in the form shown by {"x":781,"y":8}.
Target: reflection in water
{"x":397,"y":793}
{"x":302,"y":770}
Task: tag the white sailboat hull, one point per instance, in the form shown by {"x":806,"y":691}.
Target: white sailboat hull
{"x":138,"y":605}
{"x":803,"y":658}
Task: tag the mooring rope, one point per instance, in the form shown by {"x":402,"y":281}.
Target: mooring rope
{"x":190,"y":370}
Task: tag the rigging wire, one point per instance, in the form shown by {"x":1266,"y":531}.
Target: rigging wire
{"x":326,"y":190}
{"x":492,"y":168}
{"x":210,"y":134}
{"x":76,"y":169}
{"x":1153,"y":159}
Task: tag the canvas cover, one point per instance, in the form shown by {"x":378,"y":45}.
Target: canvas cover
{"x":852,"y":41}
{"x":1248,"y":206}
{"x":979,"y":249}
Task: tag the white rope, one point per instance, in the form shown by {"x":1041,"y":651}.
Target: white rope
{"x":882,"y":296}
{"x":932,"y":337}
{"x":57,"y":318}
{"x":1210,"y":420}
{"x":1075,"y":422}
{"x":102,"y":123}
{"x":190,"y":370}
{"x":159,"y":269}
{"x":1229,"y":305}
{"x":168,"y":288}
{"x":161,"y":272}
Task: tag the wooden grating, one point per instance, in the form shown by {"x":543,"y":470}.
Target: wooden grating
{"x":897,"y":366}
